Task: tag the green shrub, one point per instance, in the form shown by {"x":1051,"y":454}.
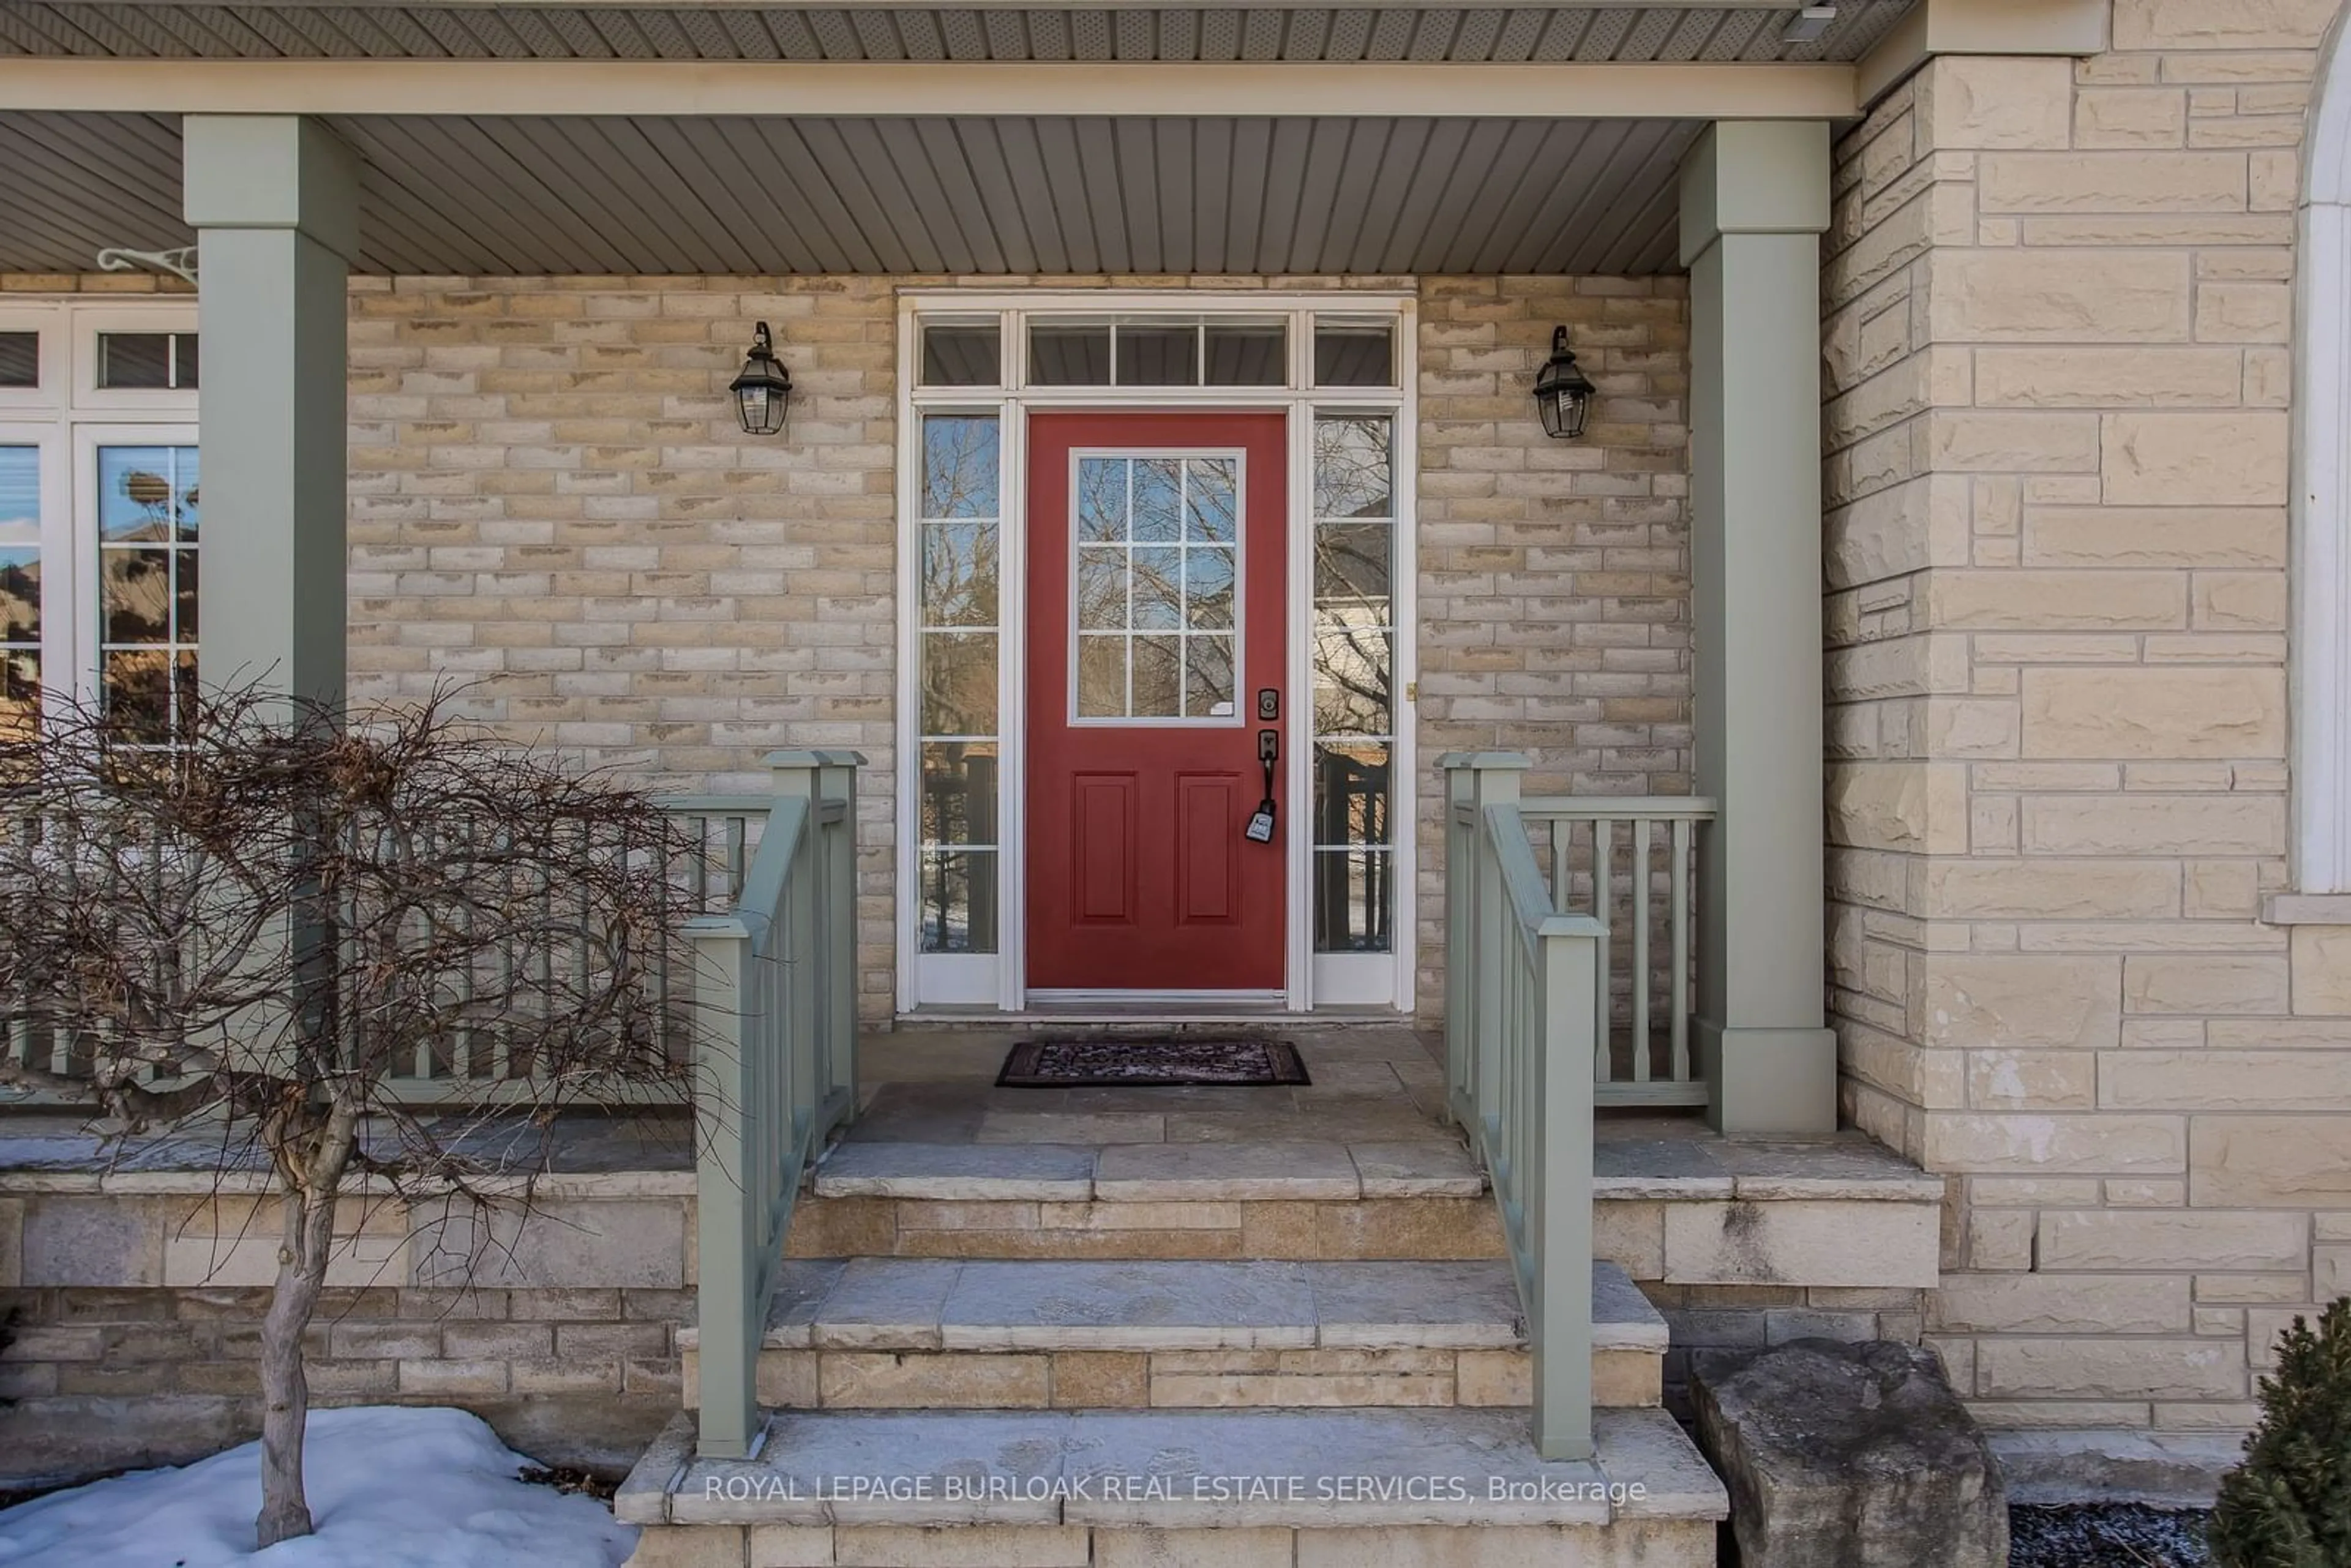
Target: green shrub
{"x":2289,"y":1504}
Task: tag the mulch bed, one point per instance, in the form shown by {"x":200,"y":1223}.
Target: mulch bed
{"x":2106,"y":1535}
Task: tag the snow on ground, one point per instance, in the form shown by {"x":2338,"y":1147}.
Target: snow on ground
{"x":389,"y":1488}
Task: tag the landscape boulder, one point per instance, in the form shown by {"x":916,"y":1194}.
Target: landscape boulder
{"x":1849,"y":1456}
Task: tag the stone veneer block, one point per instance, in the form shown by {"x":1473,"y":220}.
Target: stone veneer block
{"x":1416,"y":1170}
{"x":897,"y":1380}
{"x":1650,"y":1447}
{"x":1817,"y":1243}
{"x":1193,"y":1549}
{"x":1678,"y":1544}
{"x":801,"y":1286}
{"x":1000,"y":1456}
{"x":1217,"y":1172}
{"x":790,"y":1546}
{"x":890,"y":1303}
{"x":1466,"y":1305}
{"x":1086,"y":1379}
{"x":1622,"y":1317}
{"x":1320,"y":1452}
{"x":1407,"y":1228}
{"x":642,"y":1496}
{"x":693,"y":1546}
{"x":1071,"y":1127}
{"x":1052,"y":1172}
{"x":997,"y":1546}
{"x":1139,"y":1305}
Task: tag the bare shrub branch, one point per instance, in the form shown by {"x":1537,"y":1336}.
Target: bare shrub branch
{"x":283,"y":924}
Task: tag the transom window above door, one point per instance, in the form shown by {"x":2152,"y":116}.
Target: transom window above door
{"x":1234,"y":352}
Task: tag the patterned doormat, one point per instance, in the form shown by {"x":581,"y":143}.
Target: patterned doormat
{"x":1143,"y":1063}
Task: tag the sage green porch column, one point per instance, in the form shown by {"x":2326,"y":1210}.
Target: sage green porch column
{"x":274,"y":203}
{"x":1754,"y":201}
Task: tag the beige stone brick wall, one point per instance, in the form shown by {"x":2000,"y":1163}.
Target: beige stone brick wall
{"x":1554,"y":576}
{"x":551,"y":501}
{"x":2059,"y":306}
{"x":551,"y":504}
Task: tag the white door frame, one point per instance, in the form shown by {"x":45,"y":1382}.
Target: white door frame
{"x":1310,"y":979}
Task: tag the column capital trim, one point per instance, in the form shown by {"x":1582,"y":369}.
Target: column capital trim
{"x":1753,"y":176}
{"x":1932,"y":28}
{"x":271,"y":172}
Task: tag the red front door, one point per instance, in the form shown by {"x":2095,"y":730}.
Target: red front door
{"x":1155,"y":620}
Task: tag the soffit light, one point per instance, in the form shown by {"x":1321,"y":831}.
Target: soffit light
{"x":1810,"y":25}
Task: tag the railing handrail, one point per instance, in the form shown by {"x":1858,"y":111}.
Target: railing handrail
{"x":714,"y":805}
{"x":1590,"y":808}
{"x":775,"y":1067}
{"x":759,"y":907}
{"x":1521,"y":979}
{"x":1522,"y":883}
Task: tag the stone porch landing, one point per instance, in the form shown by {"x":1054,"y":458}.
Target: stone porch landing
{"x":1831,"y":1236}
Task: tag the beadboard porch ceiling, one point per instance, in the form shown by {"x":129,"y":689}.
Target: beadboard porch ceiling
{"x":1006,"y":194}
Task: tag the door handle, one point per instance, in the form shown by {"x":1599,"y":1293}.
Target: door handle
{"x":1260,"y":822}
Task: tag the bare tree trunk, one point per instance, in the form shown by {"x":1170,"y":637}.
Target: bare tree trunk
{"x":310,"y":1188}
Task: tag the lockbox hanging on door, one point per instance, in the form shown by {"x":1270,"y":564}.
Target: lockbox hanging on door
{"x":1268,"y":751}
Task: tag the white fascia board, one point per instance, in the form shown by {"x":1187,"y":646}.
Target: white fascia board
{"x":846,"y":88}
{"x":889,"y":4}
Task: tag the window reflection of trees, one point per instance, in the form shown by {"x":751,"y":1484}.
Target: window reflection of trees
{"x":959,"y":575}
{"x":20,"y":581}
{"x":1157,"y":539}
{"x":147,"y":590}
{"x":1354,"y":680}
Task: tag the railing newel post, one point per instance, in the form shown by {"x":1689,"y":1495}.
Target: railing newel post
{"x":1569,"y":977}
{"x":723,"y":1211}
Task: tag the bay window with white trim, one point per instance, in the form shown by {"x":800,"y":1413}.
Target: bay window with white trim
{"x":100,"y":497}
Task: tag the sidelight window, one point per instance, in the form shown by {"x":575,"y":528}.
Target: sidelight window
{"x":1354,"y":680}
{"x":960,"y":581}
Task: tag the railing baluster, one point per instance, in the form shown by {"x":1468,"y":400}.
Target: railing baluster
{"x":1603,"y":843}
{"x":1640,"y":980}
{"x":1562,"y":860}
{"x":1677,"y":894}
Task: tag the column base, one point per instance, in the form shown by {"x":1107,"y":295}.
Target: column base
{"x":1768,"y":1080}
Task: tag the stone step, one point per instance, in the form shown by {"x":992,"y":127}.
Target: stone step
{"x":1354,"y":1489}
{"x":1837,"y":1213}
{"x":1148,"y":1173}
{"x":1287,"y":1200}
{"x":896,"y":1332}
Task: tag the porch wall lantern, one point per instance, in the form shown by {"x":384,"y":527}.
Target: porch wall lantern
{"x":762,"y":389}
{"x":1562,"y":393}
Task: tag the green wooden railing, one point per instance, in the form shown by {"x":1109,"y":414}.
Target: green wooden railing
{"x":1631,"y":864}
{"x":1522,"y":994}
{"x":774,"y":1009}
{"x":471,"y":1064}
